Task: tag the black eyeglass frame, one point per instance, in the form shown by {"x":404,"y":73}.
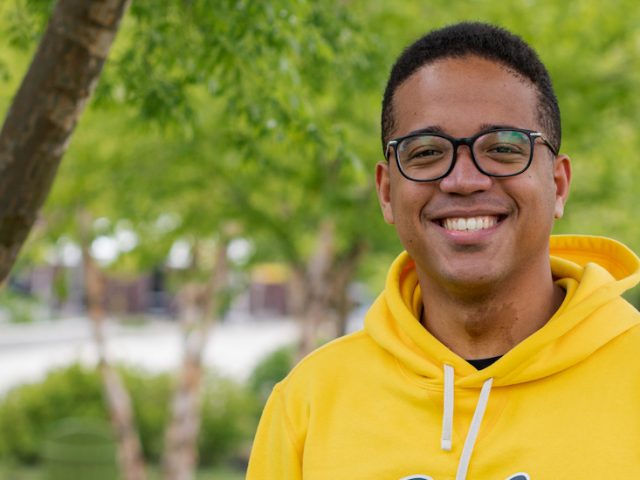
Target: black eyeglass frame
{"x":468,"y":141}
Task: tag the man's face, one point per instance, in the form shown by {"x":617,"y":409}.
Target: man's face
{"x":461,"y":97}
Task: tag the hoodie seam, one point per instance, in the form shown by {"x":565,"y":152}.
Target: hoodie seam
{"x":419,"y":382}
{"x":357,"y":336}
{"x":424,"y":384}
{"x":288,"y":424}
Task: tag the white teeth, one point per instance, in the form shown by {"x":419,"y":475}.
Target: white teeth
{"x":469,"y":224}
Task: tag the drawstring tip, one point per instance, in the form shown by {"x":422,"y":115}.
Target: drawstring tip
{"x":447,"y":412}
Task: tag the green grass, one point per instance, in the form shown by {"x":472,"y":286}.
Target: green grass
{"x":16,"y":472}
{"x":13,"y":472}
{"x":220,"y":473}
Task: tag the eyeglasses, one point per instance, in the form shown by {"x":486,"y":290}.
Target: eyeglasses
{"x":426,"y":157}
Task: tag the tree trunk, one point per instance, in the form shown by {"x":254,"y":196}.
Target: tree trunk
{"x":117,"y":398}
{"x":342,"y":273}
{"x":199,"y":305}
{"x":320,"y":288}
{"x":314,"y":282}
{"x":44,"y":112}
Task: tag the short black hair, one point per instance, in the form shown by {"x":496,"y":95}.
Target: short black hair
{"x":485,"y":41}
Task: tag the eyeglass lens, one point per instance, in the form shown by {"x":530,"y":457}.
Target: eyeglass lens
{"x":500,"y":153}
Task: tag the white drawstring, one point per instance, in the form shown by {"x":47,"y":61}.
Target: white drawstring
{"x":470,"y":441}
{"x":447,"y":414}
{"x":476,"y":421}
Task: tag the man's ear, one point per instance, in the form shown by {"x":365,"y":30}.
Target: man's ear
{"x":383,"y":187}
{"x":562,"y":180}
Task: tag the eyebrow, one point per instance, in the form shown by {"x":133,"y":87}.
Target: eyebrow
{"x":438,"y":129}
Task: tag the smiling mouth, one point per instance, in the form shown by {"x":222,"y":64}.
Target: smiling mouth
{"x":470,"y":224}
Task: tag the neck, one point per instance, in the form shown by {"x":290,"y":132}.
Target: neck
{"x":490,"y":322}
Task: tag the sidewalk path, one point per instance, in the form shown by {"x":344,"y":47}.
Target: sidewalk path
{"x":29,"y":351}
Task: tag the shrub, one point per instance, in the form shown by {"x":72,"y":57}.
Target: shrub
{"x":269,"y":371}
{"x":28,"y":412}
{"x":150,"y":400}
{"x":227,"y":419}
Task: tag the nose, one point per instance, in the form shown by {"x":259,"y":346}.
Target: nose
{"x":465,"y":178}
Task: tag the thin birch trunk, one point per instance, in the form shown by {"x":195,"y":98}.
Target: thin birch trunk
{"x":199,"y":311}
{"x":342,"y":274}
{"x":117,"y":397}
{"x":314,"y":283}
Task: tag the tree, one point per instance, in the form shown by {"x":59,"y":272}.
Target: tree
{"x":226,"y":56}
{"x":35,"y":136}
{"x":45,"y":111}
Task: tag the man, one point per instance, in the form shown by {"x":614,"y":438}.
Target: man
{"x":494,"y":352}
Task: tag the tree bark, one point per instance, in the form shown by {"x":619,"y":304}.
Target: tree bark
{"x":46,"y":109}
{"x":320,"y":288}
{"x":342,"y":273}
{"x":315,"y":284}
{"x":117,"y":397}
{"x":199,"y":305}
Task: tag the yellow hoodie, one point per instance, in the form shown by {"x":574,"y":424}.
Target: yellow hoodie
{"x":393,"y":403}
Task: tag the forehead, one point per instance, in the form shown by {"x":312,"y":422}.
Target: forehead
{"x":462,"y":95}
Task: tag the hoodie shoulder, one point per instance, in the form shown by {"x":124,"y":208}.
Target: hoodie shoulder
{"x":327,"y":374}
{"x":339,"y":355}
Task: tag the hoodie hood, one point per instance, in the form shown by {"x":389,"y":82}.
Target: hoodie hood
{"x":594,"y":271}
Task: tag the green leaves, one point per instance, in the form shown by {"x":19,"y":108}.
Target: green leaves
{"x":265,"y":114}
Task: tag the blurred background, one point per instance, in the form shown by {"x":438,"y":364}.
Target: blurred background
{"x":214,"y":217}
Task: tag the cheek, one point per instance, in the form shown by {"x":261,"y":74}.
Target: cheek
{"x":411,"y":195}
{"x":542,"y":188}
{"x":544,"y":202}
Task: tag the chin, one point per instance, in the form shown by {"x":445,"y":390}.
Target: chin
{"x":479,"y":280}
